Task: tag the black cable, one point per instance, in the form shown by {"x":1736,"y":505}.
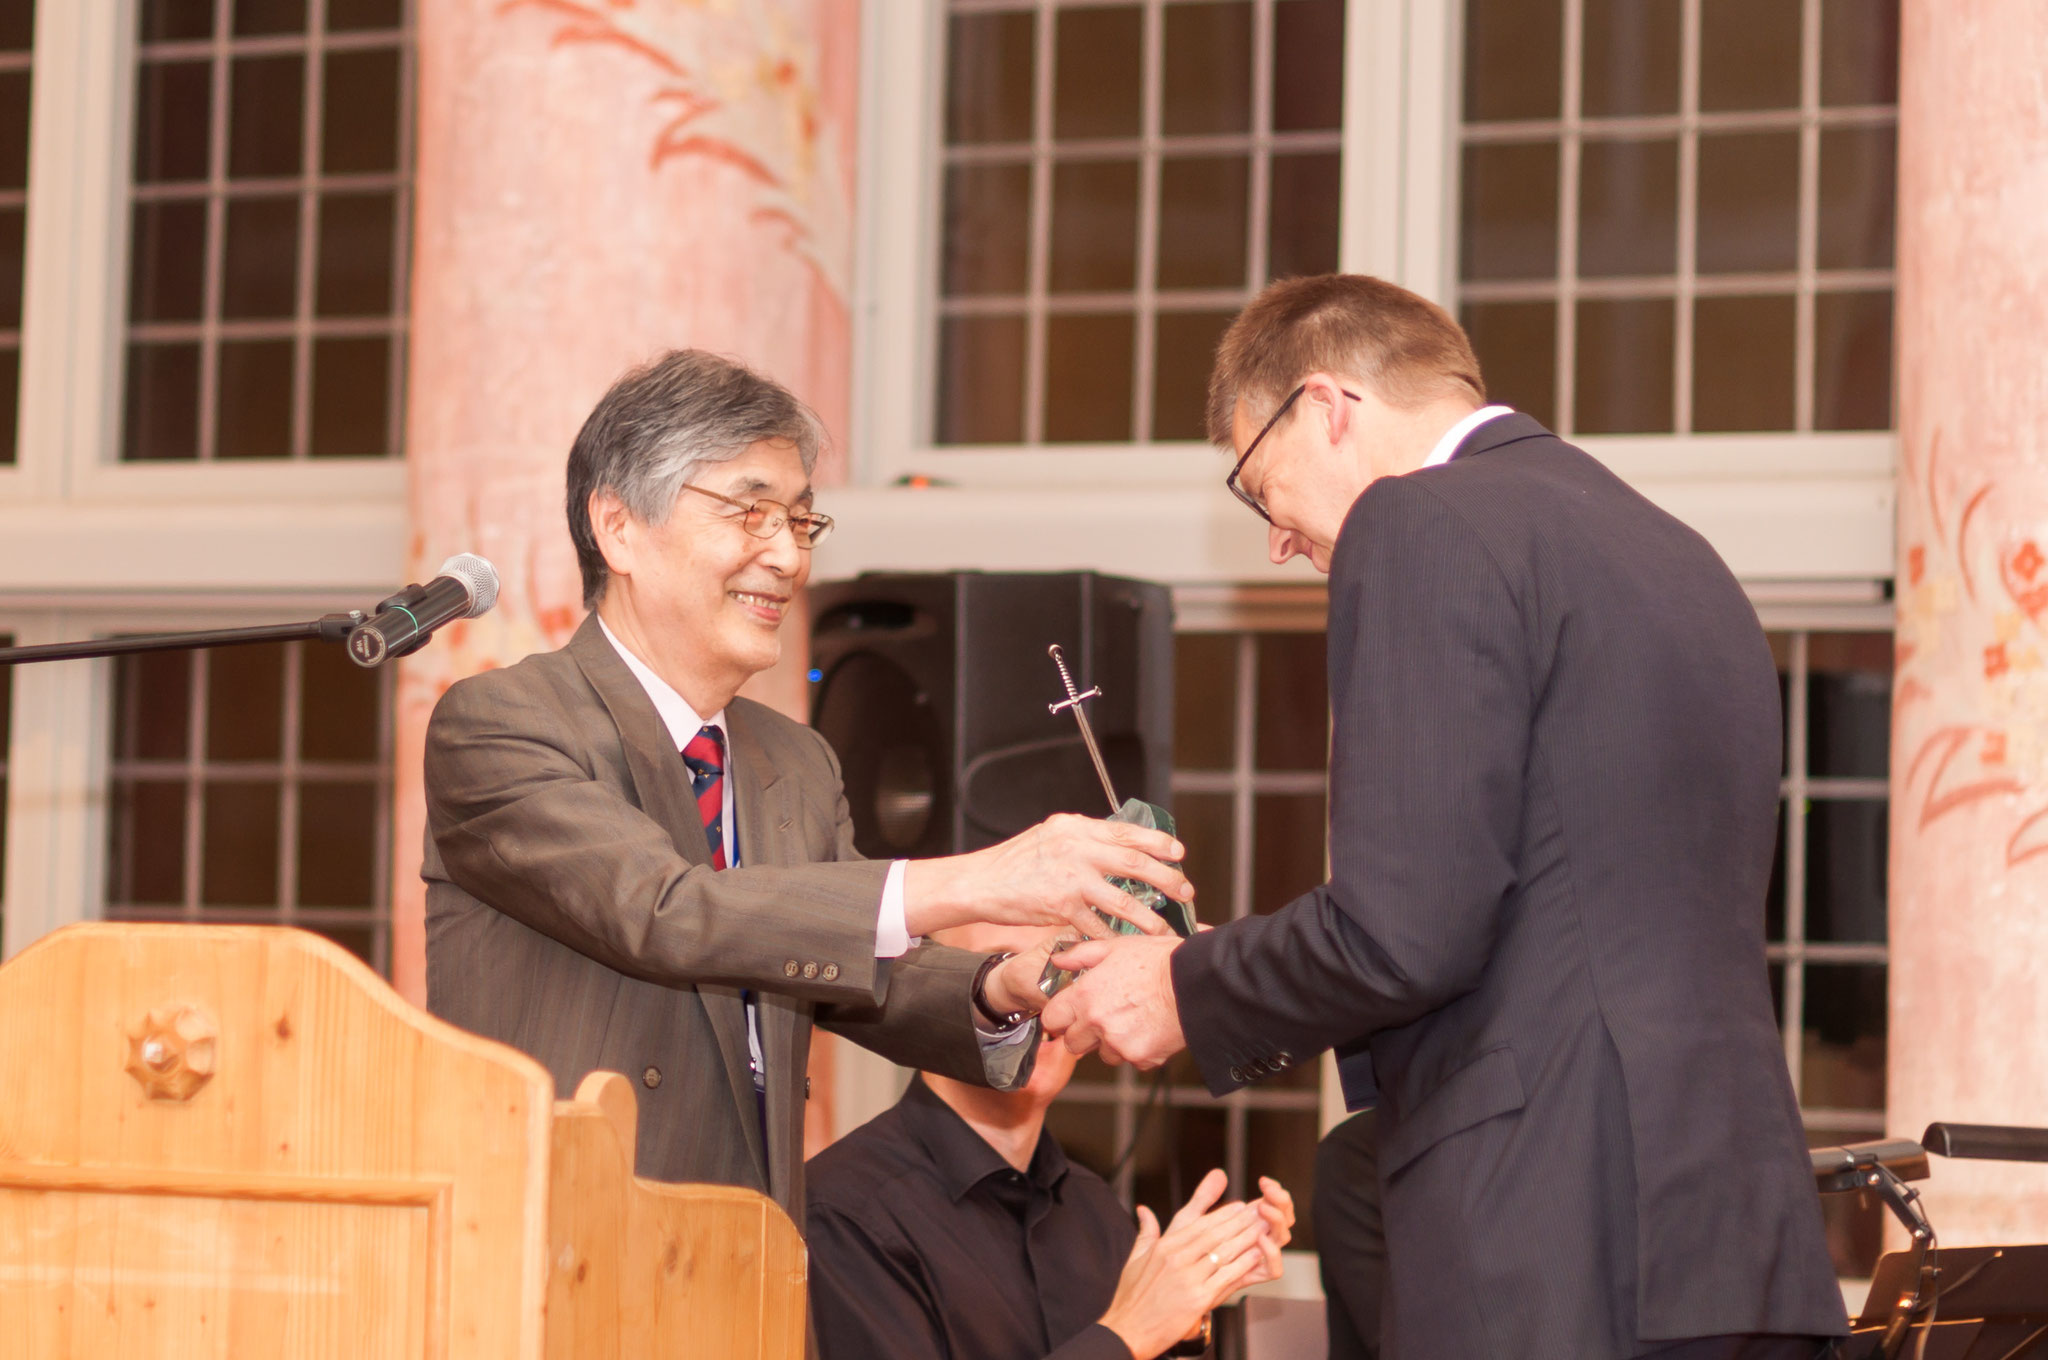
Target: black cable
{"x":1138,"y":1130}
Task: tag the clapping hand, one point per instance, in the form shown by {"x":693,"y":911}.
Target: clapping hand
{"x":1207,"y":1253}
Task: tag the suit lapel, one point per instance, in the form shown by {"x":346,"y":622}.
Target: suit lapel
{"x":660,"y":778}
{"x":760,"y":799}
{"x":662,"y":783}
{"x":761,"y":806}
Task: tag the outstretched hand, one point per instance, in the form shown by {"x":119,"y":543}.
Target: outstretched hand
{"x":1123,"y":1005}
{"x":1054,"y":874}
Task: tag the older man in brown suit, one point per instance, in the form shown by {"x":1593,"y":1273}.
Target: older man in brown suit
{"x":630,"y":868}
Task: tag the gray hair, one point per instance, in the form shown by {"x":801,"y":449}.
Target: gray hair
{"x":660,"y":427}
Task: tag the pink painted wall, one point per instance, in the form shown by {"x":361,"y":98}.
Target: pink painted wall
{"x":1969,"y":866}
{"x":599,"y":181}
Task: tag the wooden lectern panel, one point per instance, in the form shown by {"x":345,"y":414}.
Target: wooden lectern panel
{"x":154,"y":1275}
{"x":650,"y":1269}
{"x":238,"y":1141}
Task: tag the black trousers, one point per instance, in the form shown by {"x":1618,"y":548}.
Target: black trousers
{"x":1350,"y":1238}
{"x":1353,"y":1245}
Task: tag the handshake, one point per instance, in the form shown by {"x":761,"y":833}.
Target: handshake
{"x":1063,"y":874}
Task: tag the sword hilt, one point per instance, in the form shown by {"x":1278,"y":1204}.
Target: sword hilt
{"x":1074,"y":697}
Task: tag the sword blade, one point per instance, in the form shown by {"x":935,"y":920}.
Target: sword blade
{"x":1095,"y":754}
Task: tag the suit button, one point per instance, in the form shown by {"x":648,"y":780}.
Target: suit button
{"x":1281,"y":1063}
{"x":810,"y":971}
{"x":1237,"y":1075}
{"x":830,"y":972}
{"x":651,"y":1078}
{"x":790,"y":968}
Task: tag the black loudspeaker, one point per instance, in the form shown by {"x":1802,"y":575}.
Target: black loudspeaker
{"x":933,"y":690}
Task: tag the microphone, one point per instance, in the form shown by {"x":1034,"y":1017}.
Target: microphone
{"x":465,"y":587}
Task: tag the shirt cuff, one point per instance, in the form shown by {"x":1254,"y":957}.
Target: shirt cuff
{"x":892,"y":932}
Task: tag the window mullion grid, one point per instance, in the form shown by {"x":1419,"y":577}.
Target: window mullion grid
{"x":1244,"y":761}
{"x":195,"y":781}
{"x":1104,"y":148}
{"x":1571,"y":101}
{"x":1243,"y":777}
{"x":401,"y":255}
{"x":1039,"y":267}
{"x":268,"y":45}
{"x":215,"y":269}
{"x":1644,"y":125}
{"x":273,"y":184}
{"x":288,"y":784}
{"x":1709,"y":285}
{"x":310,"y":123}
{"x":1257,"y":242}
{"x":1803,"y":355}
{"x":1688,"y":216}
{"x":1796,"y":725}
{"x":1076,"y":304}
{"x":1123,"y":1128}
{"x":1151,"y":84}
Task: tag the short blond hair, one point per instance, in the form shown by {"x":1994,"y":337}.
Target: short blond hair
{"x":1405,"y":346}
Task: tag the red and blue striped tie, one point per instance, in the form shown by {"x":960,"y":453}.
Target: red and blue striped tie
{"x":705,"y":755}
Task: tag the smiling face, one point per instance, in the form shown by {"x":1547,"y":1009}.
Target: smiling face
{"x":696,"y":597}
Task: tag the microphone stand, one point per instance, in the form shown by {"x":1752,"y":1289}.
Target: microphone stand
{"x":326,"y":628}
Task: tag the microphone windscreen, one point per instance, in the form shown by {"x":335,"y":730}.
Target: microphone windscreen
{"x":478,"y":576}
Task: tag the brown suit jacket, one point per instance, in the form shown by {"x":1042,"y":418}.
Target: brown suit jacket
{"x":572,"y":912}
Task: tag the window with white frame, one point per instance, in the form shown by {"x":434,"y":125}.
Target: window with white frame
{"x":1117,"y":180}
{"x":270,"y":217}
{"x":17,"y":38}
{"x":1250,"y":760}
{"x":1826,"y":916}
{"x":1676,"y":216}
{"x":253,"y":785}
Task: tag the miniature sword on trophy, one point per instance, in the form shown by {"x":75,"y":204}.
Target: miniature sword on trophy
{"x":1134,"y":810}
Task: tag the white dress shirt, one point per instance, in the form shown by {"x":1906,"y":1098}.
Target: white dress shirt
{"x":892,"y":936}
{"x":1455,"y":436}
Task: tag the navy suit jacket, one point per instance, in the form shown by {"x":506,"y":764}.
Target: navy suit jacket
{"x":1553,"y":804}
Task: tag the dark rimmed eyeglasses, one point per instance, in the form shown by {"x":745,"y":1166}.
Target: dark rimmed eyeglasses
{"x":764,"y":519}
{"x":1236,"y":487}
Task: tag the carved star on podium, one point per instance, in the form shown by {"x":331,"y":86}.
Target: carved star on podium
{"x":172,"y":1053}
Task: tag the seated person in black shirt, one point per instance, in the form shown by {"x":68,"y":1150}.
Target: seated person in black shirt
{"x":951,"y":1227}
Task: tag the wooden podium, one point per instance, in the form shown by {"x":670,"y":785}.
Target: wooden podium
{"x":237,"y":1141}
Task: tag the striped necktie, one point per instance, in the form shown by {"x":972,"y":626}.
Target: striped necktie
{"x":705,"y":757}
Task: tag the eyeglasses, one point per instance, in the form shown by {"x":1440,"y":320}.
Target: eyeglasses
{"x":764,"y":519}
{"x":1235,"y":487}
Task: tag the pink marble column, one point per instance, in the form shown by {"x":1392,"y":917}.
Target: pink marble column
{"x":1969,"y":908}
{"x":599,"y":181}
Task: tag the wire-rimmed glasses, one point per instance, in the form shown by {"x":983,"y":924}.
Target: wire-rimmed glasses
{"x":1236,"y":487}
{"x":764,"y":519}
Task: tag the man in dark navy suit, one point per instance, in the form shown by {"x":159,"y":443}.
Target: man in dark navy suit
{"x":1553,"y":795}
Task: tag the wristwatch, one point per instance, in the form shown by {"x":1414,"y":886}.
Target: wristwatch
{"x":999,"y":1020}
{"x":1199,"y":1343}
